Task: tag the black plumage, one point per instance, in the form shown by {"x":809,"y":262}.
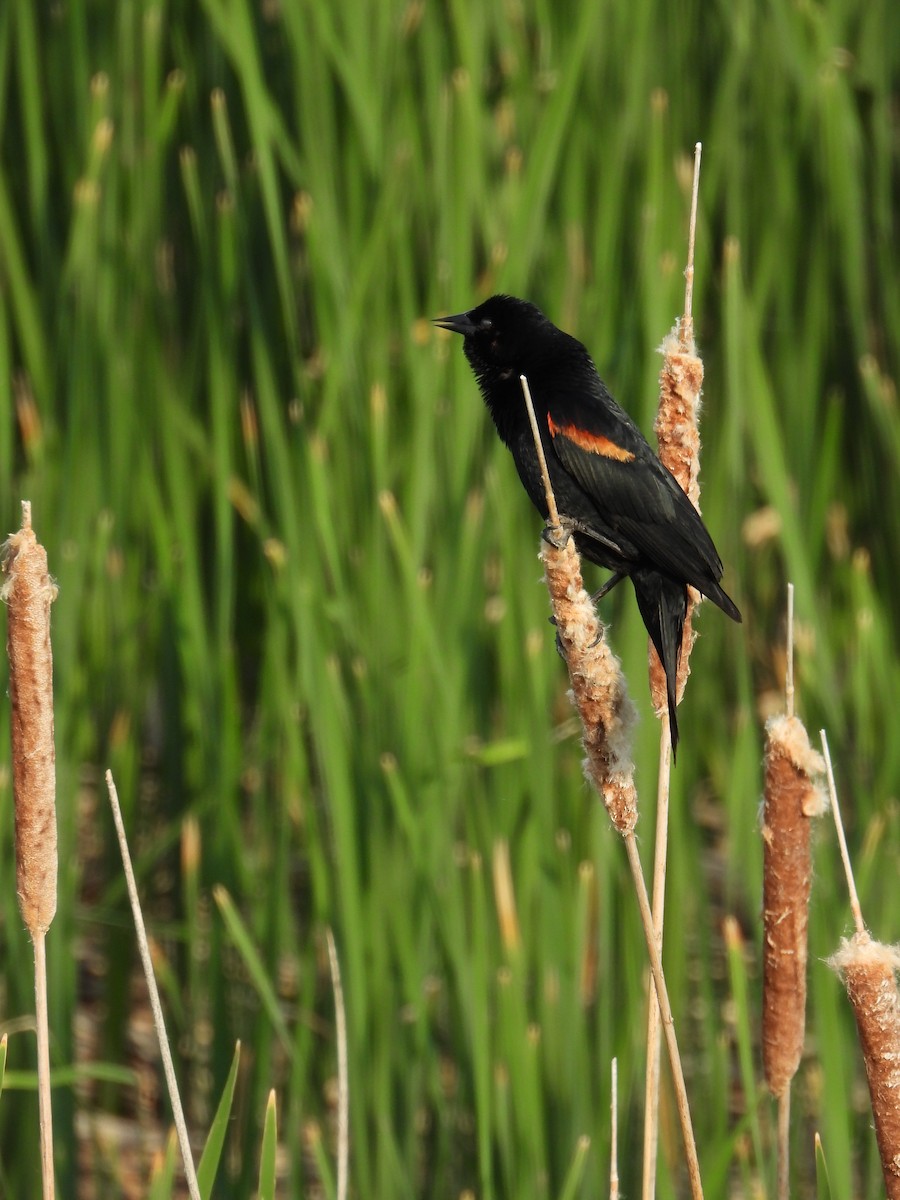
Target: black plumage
{"x":628,"y":512}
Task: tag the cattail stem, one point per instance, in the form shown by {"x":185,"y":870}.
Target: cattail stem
{"x":687,"y":321}
{"x":855,"y":907}
{"x":45,"y":1104}
{"x":552,"y":511}
{"x":668,"y":1021}
{"x":660,"y":859}
{"x":614,"y":1132}
{"x":789,"y":651}
{"x":677,"y":432}
{"x":783,"y":1182}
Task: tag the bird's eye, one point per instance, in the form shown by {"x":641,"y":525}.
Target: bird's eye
{"x":486,"y":323}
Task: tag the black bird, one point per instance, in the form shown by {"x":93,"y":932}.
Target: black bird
{"x":627,"y":511}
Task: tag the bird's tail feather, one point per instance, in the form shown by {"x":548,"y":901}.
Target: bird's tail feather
{"x":713,"y":591}
{"x":663,"y":605}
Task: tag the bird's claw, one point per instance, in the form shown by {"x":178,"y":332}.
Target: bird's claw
{"x":557,"y":535}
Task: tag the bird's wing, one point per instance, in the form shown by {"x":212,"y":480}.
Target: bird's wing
{"x":607,"y":455}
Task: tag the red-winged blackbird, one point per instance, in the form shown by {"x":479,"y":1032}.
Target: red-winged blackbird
{"x":626,"y":510}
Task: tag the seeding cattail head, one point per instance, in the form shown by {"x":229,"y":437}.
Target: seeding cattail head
{"x":598,"y":685}
{"x":792,"y":796}
{"x":28,"y":592}
{"x":678,"y":435}
{"x":869,"y":970}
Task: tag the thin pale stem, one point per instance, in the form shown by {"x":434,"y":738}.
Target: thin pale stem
{"x":340,"y":1023}
{"x":660,"y":857}
{"x":539,"y":447}
{"x":668,"y":1021}
{"x":784,"y":1143}
{"x":687,"y":322}
{"x":789,"y":667}
{"x":45,"y":1106}
{"x":614,"y":1134}
{"x":855,"y":906}
{"x":153,"y":992}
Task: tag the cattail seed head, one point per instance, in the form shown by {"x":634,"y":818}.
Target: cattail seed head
{"x":28,"y":592}
{"x":869,"y":970}
{"x":792,"y":796}
{"x":678,"y":435}
{"x":598,"y":685}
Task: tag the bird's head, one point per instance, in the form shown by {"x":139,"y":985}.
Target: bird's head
{"x":502,"y":337}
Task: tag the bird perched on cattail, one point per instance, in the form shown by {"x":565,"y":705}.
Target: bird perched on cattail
{"x":625,"y":509}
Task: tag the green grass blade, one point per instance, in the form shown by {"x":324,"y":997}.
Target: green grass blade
{"x":215,"y":1139}
{"x":823,"y":1183}
{"x":267,"y":1152}
{"x":240,"y":935}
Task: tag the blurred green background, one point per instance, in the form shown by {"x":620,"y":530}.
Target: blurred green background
{"x":300,"y":609}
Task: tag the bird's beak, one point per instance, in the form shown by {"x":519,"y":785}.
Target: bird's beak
{"x":461,"y":323}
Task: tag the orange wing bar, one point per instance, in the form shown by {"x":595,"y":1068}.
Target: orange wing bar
{"x":594,"y":443}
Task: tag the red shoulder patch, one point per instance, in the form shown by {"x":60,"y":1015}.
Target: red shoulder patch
{"x":594,"y":443}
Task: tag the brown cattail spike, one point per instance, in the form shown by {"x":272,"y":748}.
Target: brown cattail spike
{"x":598,"y":685}
{"x":792,"y":797}
{"x":678,"y":434}
{"x":28,"y":592}
{"x":869,"y":970}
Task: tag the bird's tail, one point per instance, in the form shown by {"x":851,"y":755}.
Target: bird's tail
{"x":715,"y":592}
{"x":663,"y":605}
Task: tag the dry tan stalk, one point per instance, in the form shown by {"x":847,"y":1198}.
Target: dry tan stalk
{"x":614,"y":1133}
{"x":340,"y":1025}
{"x":869,"y":970}
{"x":28,"y":592}
{"x":792,"y":796}
{"x":159,"y":1021}
{"x":678,"y":437}
{"x":666,"y":1017}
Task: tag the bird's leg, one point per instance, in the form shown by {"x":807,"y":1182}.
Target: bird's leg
{"x":616,"y":577}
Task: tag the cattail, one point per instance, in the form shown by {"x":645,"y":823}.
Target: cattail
{"x":598,"y":685}
{"x":28,"y":592}
{"x":869,"y":970}
{"x":678,"y":435}
{"x":792,"y":797}
{"x":607,"y":716}
{"x":676,"y":427}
